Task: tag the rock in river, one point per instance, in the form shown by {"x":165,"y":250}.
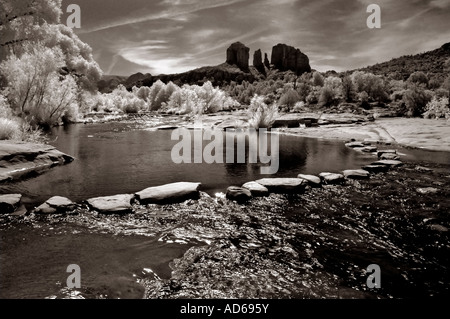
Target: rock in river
{"x":390,"y":163}
{"x":376,"y":168}
{"x":311,"y":179}
{"x":239,"y":194}
{"x":283,"y":185}
{"x":332,"y":178}
{"x":256,"y":189}
{"x":9,"y":203}
{"x":356,"y":173}
{"x":169,"y":193}
{"x":112,"y":204}
{"x":55,"y":205}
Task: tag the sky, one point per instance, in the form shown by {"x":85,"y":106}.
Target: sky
{"x":174,"y":36}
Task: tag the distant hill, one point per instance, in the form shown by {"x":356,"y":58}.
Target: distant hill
{"x":431,"y":63}
{"x":236,"y":68}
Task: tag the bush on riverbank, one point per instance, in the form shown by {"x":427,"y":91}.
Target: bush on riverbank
{"x":260,"y":114}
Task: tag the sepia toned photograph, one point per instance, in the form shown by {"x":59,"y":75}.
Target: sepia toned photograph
{"x":246,"y":150}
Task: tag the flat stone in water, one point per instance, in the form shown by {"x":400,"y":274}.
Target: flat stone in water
{"x":238,"y":194}
{"x":369,"y":149}
{"x":427,"y":190}
{"x":391,"y":163}
{"x":311,"y":179}
{"x":56,"y":204}
{"x":356,"y":173}
{"x":169,"y":193}
{"x":282,"y":185}
{"x":389,"y":156}
{"x":256,"y":189}
{"x":9,"y":203}
{"x":381,"y":152}
{"x":331,"y":178}
{"x":355,"y":144}
{"x":112,"y":204}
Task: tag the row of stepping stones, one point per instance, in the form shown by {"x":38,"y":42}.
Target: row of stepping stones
{"x":169,"y":193}
{"x":386,"y":159}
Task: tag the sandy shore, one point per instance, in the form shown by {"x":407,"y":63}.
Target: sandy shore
{"x":418,"y":133}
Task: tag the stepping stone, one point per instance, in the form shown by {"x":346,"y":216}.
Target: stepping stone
{"x":9,"y":203}
{"x":239,"y":194}
{"x":55,"y":205}
{"x":311,"y":179}
{"x":423,"y":169}
{"x":389,"y":156}
{"x":332,"y":178}
{"x":381,"y":152}
{"x":369,"y":149}
{"x":390,"y":163}
{"x":283,"y":185}
{"x":256,"y":189}
{"x":427,"y":190}
{"x":170,"y":193}
{"x":376,"y":168}
{"x":355,"y":144}
{"x":356,"y":173}
{"x":112,"y":204}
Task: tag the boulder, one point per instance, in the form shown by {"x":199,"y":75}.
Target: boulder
{"x":283,"y":185}
{"x":9,"y":203}
{"x":287,"y":58}
{"x":55,"y":205}
{"x":390,"y":163}
{"x":238,"y":54}
{"x":356,"y":173}
{"x":331,"y":178}
{"x":311,"y":179}
{"x":170,"y":193}
{"x":112,"y":204}
{"x":256,"y":189}
{"x":239,"y":194}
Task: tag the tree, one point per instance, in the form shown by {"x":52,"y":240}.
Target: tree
{"x":347,"y":88}
{"x":418,"y":78}
{"x":36,"y":91}
{"x":27,"y":22}
{"x":20,"y":22}
{"x":317,"y":79}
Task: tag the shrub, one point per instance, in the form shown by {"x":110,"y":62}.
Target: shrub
{"x":437,"y":108}
{"x":9,"y":129}
{"x":317,"y":79}
{"x":373,"y":85}
{"x":363,"y":98}
{"x":260,"y":114}
{"x":416,"y":99}
{"x":289,"y":98}
{"x":303,"y":89}
{"x":348,"y":91}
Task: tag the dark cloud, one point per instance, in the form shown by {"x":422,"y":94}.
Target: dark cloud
{"x":169,"y":36}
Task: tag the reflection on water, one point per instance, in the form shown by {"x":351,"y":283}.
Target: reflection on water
{"x":115,"y":159}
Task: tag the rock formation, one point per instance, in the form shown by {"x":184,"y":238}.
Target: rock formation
{"x":238,"y":54}
{"x":286,"y":58}
{"x":257,"y":61}
{"x":266,"y":61}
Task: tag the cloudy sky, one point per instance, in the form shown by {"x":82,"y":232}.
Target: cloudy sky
{"x":172,"y":36}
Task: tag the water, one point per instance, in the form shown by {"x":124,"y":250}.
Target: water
{"x":117,"y":159}
{"x":113,"y":252}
